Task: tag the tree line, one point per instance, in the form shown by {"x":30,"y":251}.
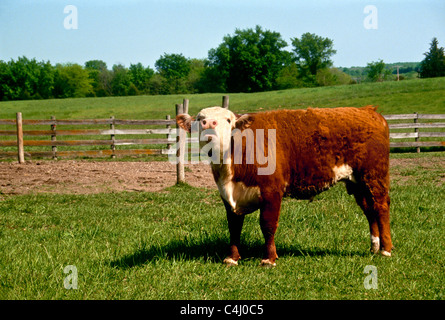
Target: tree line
{"x":250,"y":60}
{"x":433,"y":65}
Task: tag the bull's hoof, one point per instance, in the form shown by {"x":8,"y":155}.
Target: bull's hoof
{"x":385,"y":253}
{"x":375,"y":244}
{"x":230,"y":262}
{"x":266,"y":263}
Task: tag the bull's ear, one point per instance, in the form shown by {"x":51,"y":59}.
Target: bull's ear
{"x":184,"y":121}
{"x":244,"y":121}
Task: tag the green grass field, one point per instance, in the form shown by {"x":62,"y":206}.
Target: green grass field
{"x":408,"y":96}
{"x":170,"y":244}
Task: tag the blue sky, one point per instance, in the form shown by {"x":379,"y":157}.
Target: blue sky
{"x":131,"y":31}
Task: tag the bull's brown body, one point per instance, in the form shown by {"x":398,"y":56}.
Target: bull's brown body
{"x":314,"y":149}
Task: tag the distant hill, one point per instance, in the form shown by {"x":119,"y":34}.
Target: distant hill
{"x":408,"y":70}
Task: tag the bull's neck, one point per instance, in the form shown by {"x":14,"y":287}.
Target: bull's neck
{"x":223,"y":170}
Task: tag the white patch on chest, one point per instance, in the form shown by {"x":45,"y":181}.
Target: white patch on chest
{"x":241,"y":198}
{"x":343,"y":172}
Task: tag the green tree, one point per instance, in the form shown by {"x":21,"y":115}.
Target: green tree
{"x":45,"y":84}
{"x":434,"y":63}
{"x":21,"y":78}
{"x":72,"y":81}
{"x":100,"y":76}
{"x":140,"y":77}
{"x":26,"y":79}
{"x":193,"y":80}
{"x":211,"y":79}
{"x":289,"y":77}
{"x":249,"y":60}
{"x":175,"y":68}
{"x":376,"y":71}
{"x":120,"y":81}
{"x":158,"y":85}
{"x":4,"y":79}
{"x":312,"y":53}
{"x":96,"y":65}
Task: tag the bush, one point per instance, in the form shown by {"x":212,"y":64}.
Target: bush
{"x":289,"y":78}
{"x":72,"y":81}
{"x":332,"y":77}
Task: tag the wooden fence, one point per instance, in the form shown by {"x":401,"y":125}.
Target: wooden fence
{"x":402,"y":134}
{"x":56,"y":132}
{"x":422,"y":126}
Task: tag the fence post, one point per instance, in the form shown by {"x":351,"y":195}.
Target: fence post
{"x":417,"y":130}
{"x":54,"y":138}
{"x":113,"y":139}
{"x":20,"y":149}
{"x":169,"y":145}
{"x":225,"y":102}
{"x":180,"y":148}
{"x":185,"y":106}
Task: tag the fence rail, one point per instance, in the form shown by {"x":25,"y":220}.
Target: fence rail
{"x":112,"y":132}
{"x":435,"y":130}
{"x":89,"y":122}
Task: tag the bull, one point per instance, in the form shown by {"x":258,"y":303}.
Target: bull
{"x":308,"y":151}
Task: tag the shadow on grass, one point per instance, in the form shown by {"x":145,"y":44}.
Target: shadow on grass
{"x":215,"y":250}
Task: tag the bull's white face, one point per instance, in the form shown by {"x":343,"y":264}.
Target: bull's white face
{"x":215,"y":127}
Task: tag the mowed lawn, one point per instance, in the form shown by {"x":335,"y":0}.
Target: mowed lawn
{"x":170,"y":245}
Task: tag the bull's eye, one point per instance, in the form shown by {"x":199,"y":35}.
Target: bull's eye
{"x":228,"y":120}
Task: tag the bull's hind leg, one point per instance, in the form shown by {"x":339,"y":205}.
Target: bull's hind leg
{"x":380,"y":209}
{"x":374,"y":200}
{"x":269,"y":214}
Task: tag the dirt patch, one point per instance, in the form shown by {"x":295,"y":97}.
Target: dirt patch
{"x":86,"y":177}
{"x":418,"y":170}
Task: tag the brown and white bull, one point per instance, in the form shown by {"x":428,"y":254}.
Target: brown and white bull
{"x":307,"y":151}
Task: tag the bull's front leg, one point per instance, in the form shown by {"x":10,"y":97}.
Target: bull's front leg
{"x":235,"y":223}
{"x":269,"y":214}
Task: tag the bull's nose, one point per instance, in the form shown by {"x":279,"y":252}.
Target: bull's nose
{"x":209,"y":124}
